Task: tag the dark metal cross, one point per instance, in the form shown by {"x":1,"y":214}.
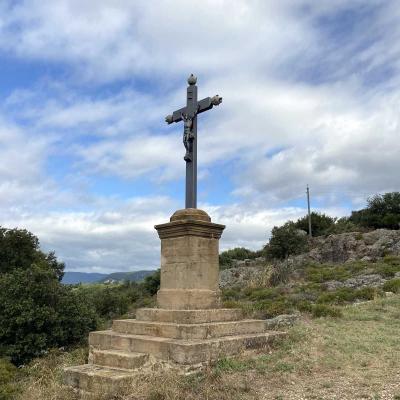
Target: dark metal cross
{"x":188,"y":115}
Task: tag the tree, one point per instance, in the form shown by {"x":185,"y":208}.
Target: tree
{"x":286,"y":240}
{"x":322,"y":224}
{"x":37,"y":312}
{"x":152,"y":283}
{"x":382,"y":211}
{"x":19,"y":249}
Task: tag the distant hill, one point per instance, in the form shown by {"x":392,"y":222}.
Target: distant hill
{"x":94,"y":277}
{"x":135,"y":276}
{"x":82,"y":277}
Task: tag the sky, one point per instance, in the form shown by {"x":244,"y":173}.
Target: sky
{"x":311,"y":95}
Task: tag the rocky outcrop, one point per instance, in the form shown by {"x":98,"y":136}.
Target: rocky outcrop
{"x":353,"y":246}
{"x":254,"y":274}
{"x":341,"y":248}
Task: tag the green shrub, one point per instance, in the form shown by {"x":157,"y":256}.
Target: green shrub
{"x":238,"y":253}
{"x":323,"y":310}
{"x":273,"y":308}
{"x":285,"y":241}
{"x":324,"y":273}
{"x":263,"y":294}
{"x":386,"y":270}
{"x":152,"y":283}
{"x":304,"y":306}
{"x":392,"y":286}
{"x":8,"y":373}
{"x":39,"y":313}
{"x":382,"y":211}
{"x":232,"y":294}
{"x":347,"y":295}
{"x":321,"y":224}
{"x":392,"y":260}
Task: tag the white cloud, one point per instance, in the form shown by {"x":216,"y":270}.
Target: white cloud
{"x":308,"y":98}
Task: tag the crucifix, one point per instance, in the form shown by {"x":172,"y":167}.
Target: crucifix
{"x":188,"y":115}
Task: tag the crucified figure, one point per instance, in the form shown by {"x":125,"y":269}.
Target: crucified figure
{"x":188,"y":137}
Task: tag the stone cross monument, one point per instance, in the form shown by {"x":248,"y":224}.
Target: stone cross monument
{"x":188,"y":115}
{"x":188,"y":326}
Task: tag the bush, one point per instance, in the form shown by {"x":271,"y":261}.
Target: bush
{"x":321,"y":224}
{"x":239,"y":253}
{"x":392,"y":286}
{"x":285,"y":241}
{"x":273,"y":308}
{"x":324,"y":273}
{"x":382,"y":211}
{"x":152,"y":283}
{"x":323,"y":310}
{"x":39,"y":313}
{"x":348,"y":295}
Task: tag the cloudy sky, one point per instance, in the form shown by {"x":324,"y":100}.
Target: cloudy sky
{"x":311,"y":95}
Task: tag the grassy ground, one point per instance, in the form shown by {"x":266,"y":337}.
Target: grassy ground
{"x":356,"y":356}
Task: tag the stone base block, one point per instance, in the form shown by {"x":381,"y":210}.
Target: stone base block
{"x":189,"y":316}
{"x":181,"y":351}
{"x":94,"y":378}
{"x":188,"y":331}
{"x":118,"y":359}
{"x":188,"y":299}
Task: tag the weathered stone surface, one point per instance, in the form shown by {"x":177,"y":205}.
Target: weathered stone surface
{"x":189,"y":316}
{"x":282,"y":321}
{"x":94,"y":378}
{"x":188,"y":328}
{"x":189,"y":331}
{"x":181,"y":351}
{"x":371,"y":280}
{"x":118,"y":359}
{"x":256,"y":275}
{"x":189,"y":261}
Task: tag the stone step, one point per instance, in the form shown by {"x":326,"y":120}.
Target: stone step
{"x":188,"y":331}
{"x":95,"y":378}
{"x":118,"y":359}
{"x":182,"y":351}
{"x":189,"y":316}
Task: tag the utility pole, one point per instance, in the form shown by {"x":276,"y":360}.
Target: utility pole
{"x":309,"y":212}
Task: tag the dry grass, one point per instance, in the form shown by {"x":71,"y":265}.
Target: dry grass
{"x":354,"y":357}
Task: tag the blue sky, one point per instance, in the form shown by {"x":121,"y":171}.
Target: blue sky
{"x":311,"y":96}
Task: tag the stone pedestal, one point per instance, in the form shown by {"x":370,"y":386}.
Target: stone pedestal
{"x":189,"y":261}
{"x":187,"y":328}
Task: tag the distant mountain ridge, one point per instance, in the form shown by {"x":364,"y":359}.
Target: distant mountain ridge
{"x":71,"y":277}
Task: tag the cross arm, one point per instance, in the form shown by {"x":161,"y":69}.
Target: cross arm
{"x":203,"y":105}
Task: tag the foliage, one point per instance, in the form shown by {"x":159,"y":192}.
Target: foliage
{"x":382,"y":211}
{"x":392,"y":286}
{"x":238,"y":253}
{"x":347,"y":295}
{"x":323,"y":310}
{"x":152,"y":283}
{"x":19,"y":249}
{"x":321,"y":224}
{"x":39,"y":313}
{"x":285,"y":241}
